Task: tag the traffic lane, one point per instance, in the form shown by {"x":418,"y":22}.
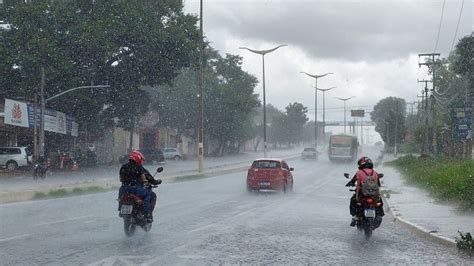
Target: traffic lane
{"x":58,"y":177}
{"x":308,"y":226}
{"x":52,"y":226}
{"x":215,"y":220}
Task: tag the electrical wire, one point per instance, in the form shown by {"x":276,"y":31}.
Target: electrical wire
{"x":439,"y":28}
{"x":457,"y":26}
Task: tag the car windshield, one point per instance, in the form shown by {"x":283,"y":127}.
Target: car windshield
{"x":223,"y":96}
{"x":266,"y":164}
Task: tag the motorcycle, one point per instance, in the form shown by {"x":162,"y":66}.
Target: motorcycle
{"x":40,"y":170}
{"x":132,"y":210}
{"x":369,"y":210}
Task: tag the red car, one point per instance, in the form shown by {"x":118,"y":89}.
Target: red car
{"x":270,"y":174}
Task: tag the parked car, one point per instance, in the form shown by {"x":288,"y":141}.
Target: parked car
{"x":171,"y":153}
{"x":151,"y":155}
{"x":13,"y":157}
{"x":269,"y":174}
{"x":309,"y":153}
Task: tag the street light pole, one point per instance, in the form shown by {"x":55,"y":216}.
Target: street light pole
{"x":316,"y":77}
{"x":324,"y":110}
{"x":345,"y":100}
{"x":43,"y":106}
{"x":263,"y":52}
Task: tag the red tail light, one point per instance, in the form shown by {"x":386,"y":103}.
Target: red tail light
{"x":369,"y":200}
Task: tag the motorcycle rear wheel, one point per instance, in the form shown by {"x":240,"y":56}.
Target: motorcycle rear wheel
{"x":128,"y":226}
{"x":368,"y":228}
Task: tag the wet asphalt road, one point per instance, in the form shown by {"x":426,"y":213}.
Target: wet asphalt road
{"x":213,"y":221}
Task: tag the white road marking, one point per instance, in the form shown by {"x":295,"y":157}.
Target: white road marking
{"x":13,"y":237}
{"x":127,"y":260}
{"x":63,"y":221}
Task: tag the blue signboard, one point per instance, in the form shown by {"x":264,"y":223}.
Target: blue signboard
{"x":462,"y":123}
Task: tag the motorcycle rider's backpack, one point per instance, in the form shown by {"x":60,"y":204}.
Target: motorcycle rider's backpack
{"x":370,"y":186}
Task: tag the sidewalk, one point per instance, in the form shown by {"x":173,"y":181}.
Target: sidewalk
{"x":23,"y":187}
{"x":414,"y":208}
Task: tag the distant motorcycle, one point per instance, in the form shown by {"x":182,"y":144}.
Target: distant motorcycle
{"x":39,"y":170}
{"x":132,"y":211}
{"x":369,"y":209}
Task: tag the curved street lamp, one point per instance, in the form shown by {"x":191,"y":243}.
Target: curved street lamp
{"x":263,"y":53}
{"x":324,"y":110}
{"x":316,"y":77}
{"x":43,"y":108}
{"x":345,"y":100}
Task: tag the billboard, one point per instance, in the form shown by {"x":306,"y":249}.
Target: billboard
{"x":23,"y":115}
{"x":358,"y":113}
{"x":462,"y":123}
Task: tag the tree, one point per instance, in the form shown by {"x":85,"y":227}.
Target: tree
{"x":390,"y":113}
{"x":229,"y":102}
{"x":296,"y":119}
{"x":120,"y":43}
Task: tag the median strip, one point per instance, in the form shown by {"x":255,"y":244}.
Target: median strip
{"x":111,"y":184}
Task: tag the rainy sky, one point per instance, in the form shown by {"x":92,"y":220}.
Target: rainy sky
{"x":371,"y":46}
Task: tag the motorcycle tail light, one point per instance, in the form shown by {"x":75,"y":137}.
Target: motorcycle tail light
{"x":369,"y":200}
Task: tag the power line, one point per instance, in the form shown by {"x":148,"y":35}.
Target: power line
{"x":457,"y":26}
{"x":439,"y":28}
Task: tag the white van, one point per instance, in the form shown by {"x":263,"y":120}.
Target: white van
{"x":13,"y":157}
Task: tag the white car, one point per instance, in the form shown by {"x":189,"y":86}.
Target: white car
{"x":13,"y":157}
{"x":309,"y":153}
{"x":171,"y":153}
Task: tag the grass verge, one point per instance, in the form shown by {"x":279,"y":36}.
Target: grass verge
{"x":58,"y":193}
{"x":446,"y":178}
{"x":189,"y":177}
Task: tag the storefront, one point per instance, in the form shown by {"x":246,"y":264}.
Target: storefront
{"x":18,"y":126}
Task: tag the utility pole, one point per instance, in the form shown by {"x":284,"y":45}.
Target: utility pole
{"x":200,"y":98}
{"x":433,"y":63}
{"x":425,"y":100}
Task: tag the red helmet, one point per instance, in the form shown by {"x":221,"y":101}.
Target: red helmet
{"x":136,"y":156}
{"x":365,"y":162}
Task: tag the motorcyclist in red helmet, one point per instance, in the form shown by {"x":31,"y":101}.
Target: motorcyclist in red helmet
{"x":134,"y":177}
{"x":365,"y":166}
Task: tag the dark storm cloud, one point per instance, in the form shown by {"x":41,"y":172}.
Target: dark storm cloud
{"x":345,"y":30}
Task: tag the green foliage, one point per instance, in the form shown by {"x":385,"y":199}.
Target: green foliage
{"x":462,"y":57}
{"x":465,"y":243}
{"x":120,"y":43}
{"x":390,"y":113}
{"x":296,"y":119}
{"x":189,"y":178}
{"x":229,"y":101}
{"x":447,"y":178}
{"x":58,"y":193}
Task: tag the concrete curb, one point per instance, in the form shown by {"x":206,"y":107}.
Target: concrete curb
{"x":419,"y":230}
{"x":416,"y":229}
{"x":425,"y":233}
{"x":112,"y":184}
